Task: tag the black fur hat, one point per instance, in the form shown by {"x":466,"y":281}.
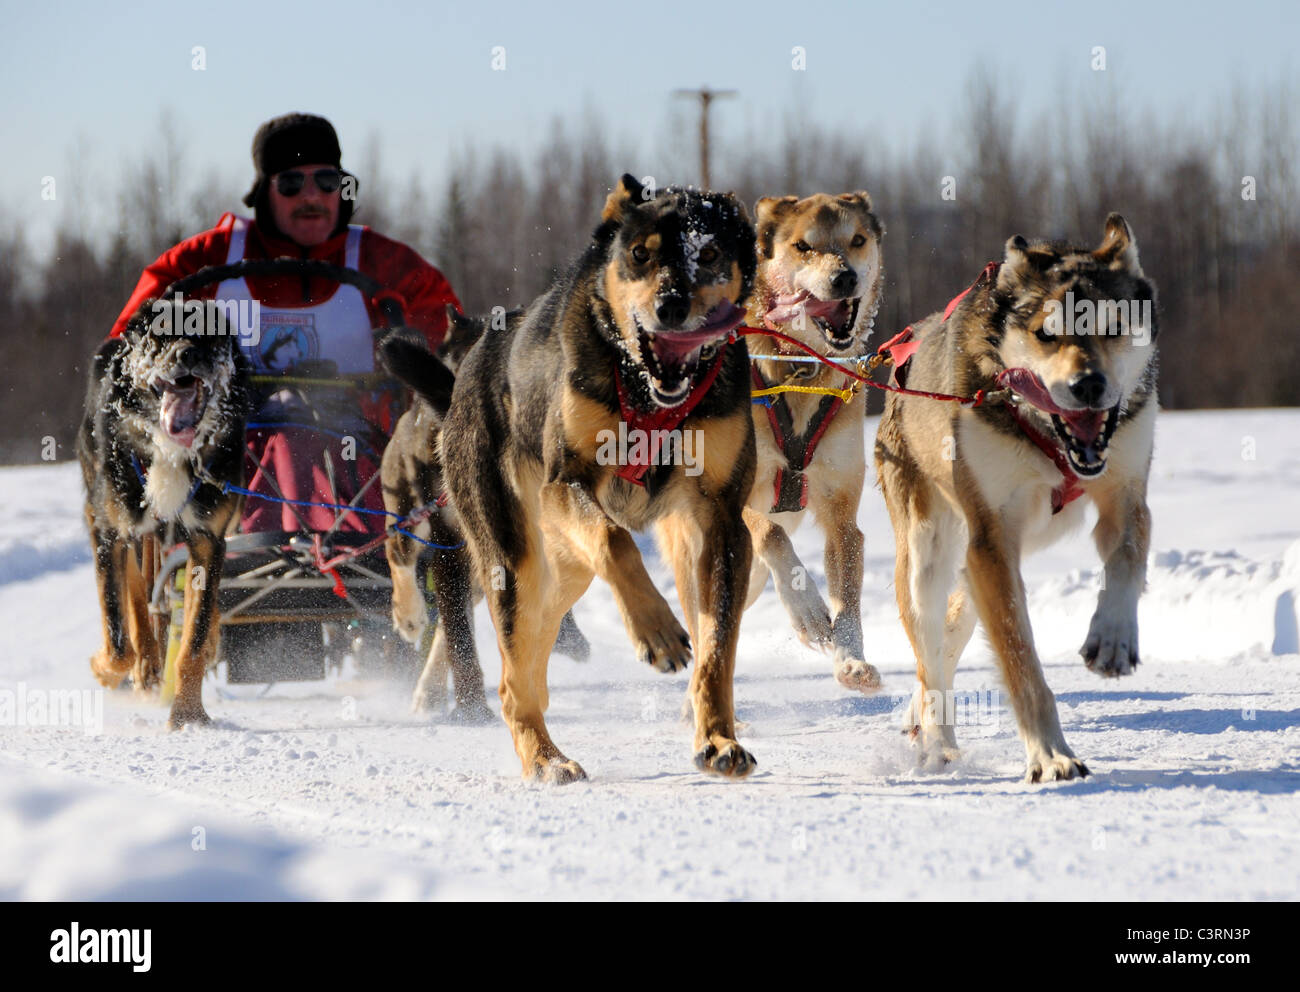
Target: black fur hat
{"x":286,"y":141}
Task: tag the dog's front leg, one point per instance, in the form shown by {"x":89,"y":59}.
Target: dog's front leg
{"x":199,"y":632}
{"x":838,"y":514}
{"x":772,"y":546}
{"x":112,"y":662}
{"x":998,"y":592}
{"x":571,"y":517}
{"x":1123,"y":538}
{"x":711,"y":559}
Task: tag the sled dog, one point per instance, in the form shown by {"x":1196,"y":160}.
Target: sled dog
{"x":970,"y":490}
{"x":638,"y":330}
{"x":163,"y":430}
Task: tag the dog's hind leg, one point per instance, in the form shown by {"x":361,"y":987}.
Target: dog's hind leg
{"x":998,"y":593}
{"x":774,"y":552}
{"x":933,"y":543}
{"x":451,"y":570}
{"x":527,"y":601}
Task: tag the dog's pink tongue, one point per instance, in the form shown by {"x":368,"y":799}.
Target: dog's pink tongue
{"x":179,"y":415}
{"x":677,"y":345}
{"x":1086,"y":425}
{"x":785,"y":307}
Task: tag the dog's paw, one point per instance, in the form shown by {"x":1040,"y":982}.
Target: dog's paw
{"x":854,"y":673}
{"x":429,"y":698}
{"x":721,"y":756}
{"x":809,"y":616}
{"x":557,"y":771}
{"x":108,"y":673}
{"x":183,"y":714}
{"x":1052,"y":764}
{"x":571,"y":641}
{"x":1111,"y":647}
{"x":935,"y":751}
{"x":660,"y":640}
{"x":473,"y":713}
{"x":410,"y":621}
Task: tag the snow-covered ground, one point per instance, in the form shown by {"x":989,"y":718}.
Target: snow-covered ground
{"x":333,"y":790}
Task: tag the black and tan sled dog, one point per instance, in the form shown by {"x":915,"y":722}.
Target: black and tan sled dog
{"x":970,"y":490}
{"x":411,"y":475}
{"x":614,"y":402}
{"x":163,"y":429}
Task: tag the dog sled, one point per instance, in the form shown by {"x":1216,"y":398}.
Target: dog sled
{"x":305,"y":582}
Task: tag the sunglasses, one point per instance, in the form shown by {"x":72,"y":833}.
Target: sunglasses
{"x":290,"y":183}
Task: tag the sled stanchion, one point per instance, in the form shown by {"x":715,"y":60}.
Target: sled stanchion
{"x":167,"y":691}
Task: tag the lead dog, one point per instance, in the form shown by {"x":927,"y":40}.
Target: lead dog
{"x":631,"y":341}
{"x":819,"y":282}
{"x":162,"y":430}
{"x":971,"y":490}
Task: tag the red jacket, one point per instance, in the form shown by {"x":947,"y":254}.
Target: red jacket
{"x":423,"y":288}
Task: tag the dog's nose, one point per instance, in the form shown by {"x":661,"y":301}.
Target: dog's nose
{"x":672,"y":310}
{"x":845,"y":283}
{"x":1089,"y":388}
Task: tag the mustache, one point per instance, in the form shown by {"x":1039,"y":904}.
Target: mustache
{"x":310,"y":212}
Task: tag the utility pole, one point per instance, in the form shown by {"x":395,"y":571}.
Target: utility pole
{"x":706,"y":96}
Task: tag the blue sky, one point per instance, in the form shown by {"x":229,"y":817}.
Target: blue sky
{"x":83,"y":84}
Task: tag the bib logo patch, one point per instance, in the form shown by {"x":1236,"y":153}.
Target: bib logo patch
{"x":288,"y":339}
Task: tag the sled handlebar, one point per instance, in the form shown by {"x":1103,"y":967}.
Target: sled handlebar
{"x":388,"y":302}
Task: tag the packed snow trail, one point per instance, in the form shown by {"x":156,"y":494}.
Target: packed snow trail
{"x":334,"y":790}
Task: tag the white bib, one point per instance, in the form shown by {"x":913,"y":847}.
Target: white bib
{"x":336,"y":330}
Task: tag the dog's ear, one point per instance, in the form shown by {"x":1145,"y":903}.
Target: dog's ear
{"x":1118,"y":246}
{"x":1021,"y":260}
{"x":858,"y":196}
{"x":627,"y":192}
{"x":767,"y":214}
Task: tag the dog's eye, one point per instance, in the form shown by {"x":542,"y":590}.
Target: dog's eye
{"x":858,"y":241}
{"x":803,"y":246}
{"x":708,"y":255}
{"x":1044,"y":335}
{"x":640,"y":254}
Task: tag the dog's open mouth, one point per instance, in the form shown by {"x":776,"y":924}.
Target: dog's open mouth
{"x":1086,"y":435}
{"x":672,"y":358}
{"x":183,"y":402}
{"x":834,"y":318}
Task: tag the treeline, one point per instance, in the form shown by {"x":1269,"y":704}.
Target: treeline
{"x":1215,"y":206}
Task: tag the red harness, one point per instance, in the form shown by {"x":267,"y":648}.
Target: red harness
{"x":659,"y":421}
{"x":790,"y":493}
{"x":903,"y":346}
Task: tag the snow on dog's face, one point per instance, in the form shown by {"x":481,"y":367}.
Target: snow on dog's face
{"x":819,"y":267}
{"x":177,"y":380}
{"x":1083,"y":323}
{"x":680,"y":267}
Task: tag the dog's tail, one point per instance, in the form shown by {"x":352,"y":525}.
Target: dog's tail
{"x":417,"y":367}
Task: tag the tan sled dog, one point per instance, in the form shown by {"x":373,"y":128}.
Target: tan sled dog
{"x":819,"y":278}
{"x":972,"y":489}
